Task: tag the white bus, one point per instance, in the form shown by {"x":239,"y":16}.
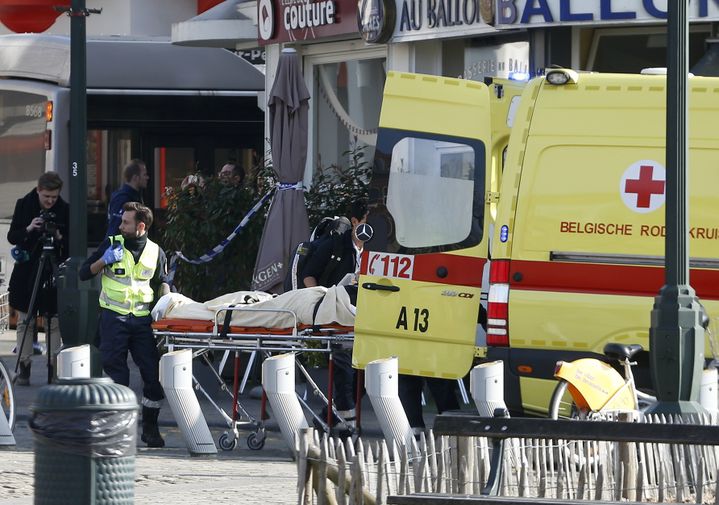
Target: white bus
{"x":180,"y":109}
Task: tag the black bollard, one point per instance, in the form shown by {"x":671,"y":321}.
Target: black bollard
{"x":84,"y":432}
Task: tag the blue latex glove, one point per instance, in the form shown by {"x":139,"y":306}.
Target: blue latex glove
{"x":113,"y":254}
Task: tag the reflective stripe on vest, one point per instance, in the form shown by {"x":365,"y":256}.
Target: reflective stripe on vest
{"x":126,"y":285}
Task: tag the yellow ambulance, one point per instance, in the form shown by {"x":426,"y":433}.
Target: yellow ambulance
{"x":578,"y":249}
{"x":577,"y":238}
{"x":433,"y":198}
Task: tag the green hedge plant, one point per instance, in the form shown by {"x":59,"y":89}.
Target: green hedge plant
{"x":200,"y":216}
{"x":204,"y":211}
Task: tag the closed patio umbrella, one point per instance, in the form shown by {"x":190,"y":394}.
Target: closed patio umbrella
{"x":287,"y":222}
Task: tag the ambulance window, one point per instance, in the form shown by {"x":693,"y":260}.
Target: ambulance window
{"x":434,"y":193}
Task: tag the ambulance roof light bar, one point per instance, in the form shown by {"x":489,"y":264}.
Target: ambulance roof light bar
{"x":658,"y":71}
{"x":654,"y":71}
{"x":561,"y":76}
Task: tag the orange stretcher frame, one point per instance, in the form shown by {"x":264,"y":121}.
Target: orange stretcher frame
{"x":206,"y":326}
{"x":204,"y":336}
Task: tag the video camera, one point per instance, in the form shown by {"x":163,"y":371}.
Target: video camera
{"x":49,"y":227}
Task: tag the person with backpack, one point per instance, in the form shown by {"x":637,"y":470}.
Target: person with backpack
{"x":336,"y":254}
{"x":328,"y":264}
{"x":330,"y":228}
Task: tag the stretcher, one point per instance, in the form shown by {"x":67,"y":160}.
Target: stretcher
{"x":219,"y":333}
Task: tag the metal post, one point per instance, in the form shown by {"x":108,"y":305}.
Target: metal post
{"x":77,"y":301}
{"x":78,"y":129}
{"x":676,"y":337}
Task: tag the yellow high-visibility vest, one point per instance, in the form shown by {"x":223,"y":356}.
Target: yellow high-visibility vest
{"x":126,"y":284}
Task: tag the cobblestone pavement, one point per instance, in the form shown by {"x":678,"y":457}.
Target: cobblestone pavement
{"x":169,"y":475}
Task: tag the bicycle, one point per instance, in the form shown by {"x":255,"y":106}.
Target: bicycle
{"x":590,"y":388}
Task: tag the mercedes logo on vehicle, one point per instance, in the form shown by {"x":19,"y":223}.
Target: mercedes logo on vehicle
{"x":266,"y":19}
{"x":364,"y":232}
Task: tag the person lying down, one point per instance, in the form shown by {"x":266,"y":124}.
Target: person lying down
{"x":317,"y":305}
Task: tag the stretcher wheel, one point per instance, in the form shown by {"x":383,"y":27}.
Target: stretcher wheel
{"x":256,"y":440}
{"x":227,"y":443}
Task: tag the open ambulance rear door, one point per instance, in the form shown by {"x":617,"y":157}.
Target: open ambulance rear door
{"x":419,"y":295}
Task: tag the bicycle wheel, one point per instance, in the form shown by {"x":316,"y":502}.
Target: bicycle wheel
{"x":561,"y":404}
{"x":7,"y":396}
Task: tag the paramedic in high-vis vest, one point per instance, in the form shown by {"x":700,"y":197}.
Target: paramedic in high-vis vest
{"x":134,"y":276}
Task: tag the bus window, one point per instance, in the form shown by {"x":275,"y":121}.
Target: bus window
{"x":22,"y":145}
{"x":433,"y":187}
{"x":171,"y":164}
{"x":244,"y":156}
{"x":108,"y":151}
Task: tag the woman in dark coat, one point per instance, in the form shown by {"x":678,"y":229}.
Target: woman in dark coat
{"x":27,"y":232}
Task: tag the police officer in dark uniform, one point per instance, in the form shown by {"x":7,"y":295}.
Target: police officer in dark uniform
{"x":134,"y":276}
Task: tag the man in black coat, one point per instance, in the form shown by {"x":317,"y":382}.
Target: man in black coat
{"x":28,"y":231}
{"x":327,"y":267}
{"x":136,"y":178}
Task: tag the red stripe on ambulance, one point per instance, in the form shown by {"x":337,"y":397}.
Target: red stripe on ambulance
{"x":604,"y":279}
{"x":441,"y":268}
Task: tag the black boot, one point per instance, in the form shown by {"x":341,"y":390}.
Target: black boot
{"x":150,"y":431}
{"x":23,"y":378}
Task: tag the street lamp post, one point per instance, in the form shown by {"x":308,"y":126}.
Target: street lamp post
{"x":676,"y":337}
{"x":77,"y":301}
{"x":78,"y":129}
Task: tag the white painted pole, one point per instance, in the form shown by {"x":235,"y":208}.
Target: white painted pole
{"x":708,"y":393}
{"x":74,"y":362}
{"x":176,"y":380}
{"x":381,"y":383}
{"x":278,"y":380}
{"x":487,"y":387}
{"x":6,"y":437}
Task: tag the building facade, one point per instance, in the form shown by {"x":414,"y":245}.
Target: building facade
{"x":345,"y":65}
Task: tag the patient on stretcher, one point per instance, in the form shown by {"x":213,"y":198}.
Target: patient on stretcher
{"x":313,"y":306}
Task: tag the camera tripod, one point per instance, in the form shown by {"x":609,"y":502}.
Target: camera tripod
{"x":44,"y":279}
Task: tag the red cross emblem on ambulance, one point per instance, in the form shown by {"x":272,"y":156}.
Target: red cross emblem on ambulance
{"x":643,"y":186}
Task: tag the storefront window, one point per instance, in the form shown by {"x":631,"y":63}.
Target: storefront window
{"x":505,"y":56}
{"x":347,"y":101}
{"x":631,"y":50}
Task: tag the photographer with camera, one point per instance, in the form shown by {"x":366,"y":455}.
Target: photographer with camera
{"x":40,"y":221}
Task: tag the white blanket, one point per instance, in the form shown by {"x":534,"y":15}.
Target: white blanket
{"x":335,"y":308}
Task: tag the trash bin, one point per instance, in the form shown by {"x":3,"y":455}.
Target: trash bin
{"x":84,"y":431}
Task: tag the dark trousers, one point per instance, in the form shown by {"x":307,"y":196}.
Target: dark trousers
{"x":344,"y":380}
{"x":120,"y":334}
{"x":410,"y":394}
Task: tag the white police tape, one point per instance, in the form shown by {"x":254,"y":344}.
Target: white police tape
{"x":286,"y":186}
